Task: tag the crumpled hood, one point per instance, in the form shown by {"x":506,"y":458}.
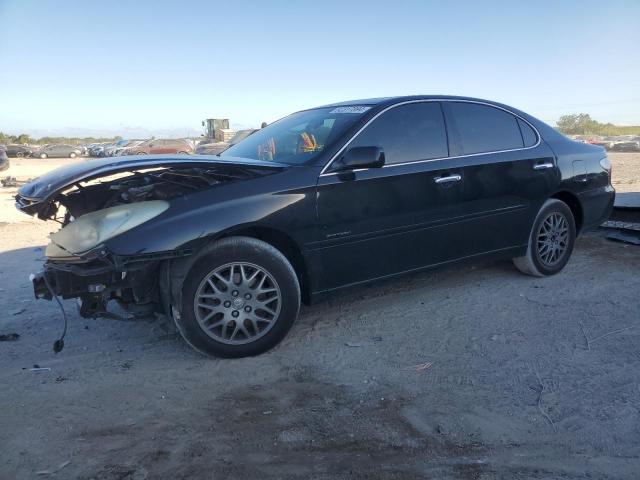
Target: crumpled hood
{"x":37,"y":195}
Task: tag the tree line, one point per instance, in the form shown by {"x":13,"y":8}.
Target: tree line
{"x":583,"y":124}
{"x":24,"y":138}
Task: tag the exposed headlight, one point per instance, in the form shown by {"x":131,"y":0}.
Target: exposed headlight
{"x":606,"y":164}
{"x":90,"y":230}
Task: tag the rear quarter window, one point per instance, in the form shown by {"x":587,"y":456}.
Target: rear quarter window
{"x":482,"y":128}
{"x":528,"y":135}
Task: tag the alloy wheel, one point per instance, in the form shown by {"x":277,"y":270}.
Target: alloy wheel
{"x":237,"y":303}
{"x":553,"y":239}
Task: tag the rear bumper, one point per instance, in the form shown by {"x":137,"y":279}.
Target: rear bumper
{"x":597,"y":205}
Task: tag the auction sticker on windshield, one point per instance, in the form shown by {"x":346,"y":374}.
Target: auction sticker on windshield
{"x":351,"y":109}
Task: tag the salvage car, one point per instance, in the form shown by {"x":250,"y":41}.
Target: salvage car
{"x":19,"y":151}
{"x":162,"y":146}
{"x":323,"y":199}
{"x":127,"y":148}
{"x":629,"y":146}
{"x":58,"y":151}
{"x":5,"y":163}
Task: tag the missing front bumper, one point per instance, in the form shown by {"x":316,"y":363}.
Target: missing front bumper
{"x":94,"y":283}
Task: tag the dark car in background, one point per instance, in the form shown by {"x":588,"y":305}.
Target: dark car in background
{"x":125,"y":149}
{"x":19,"y":151}
{"x":58,"y":151}
{"x":98,"y":149}
{"x":5,"y":163}
{"x":215,"y":148}
{"x":630,"y":146}
{"x":162,"y":146}
{"x":326,"y":198}
{"x":604,"y":143}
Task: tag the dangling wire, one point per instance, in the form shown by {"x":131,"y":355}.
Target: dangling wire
{"x":58,"y":345}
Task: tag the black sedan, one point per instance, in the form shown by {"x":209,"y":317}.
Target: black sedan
{"x":19,"y":151}
{"x":321,"y":200}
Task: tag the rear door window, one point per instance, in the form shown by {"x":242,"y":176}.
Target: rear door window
{"x":407,"y":133}
{"x":482,"y":128}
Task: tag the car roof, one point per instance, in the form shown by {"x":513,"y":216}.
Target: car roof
{"x":403,"y":98}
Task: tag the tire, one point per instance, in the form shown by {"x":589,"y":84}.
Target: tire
{"x":43,"y":156}
{"x":256,"y":331}
{"x":549,"y":250}
{"x":72,"y":155}
{"x":182,"y":153}
{"x":19,"y":154}
{"x":141,"y":153}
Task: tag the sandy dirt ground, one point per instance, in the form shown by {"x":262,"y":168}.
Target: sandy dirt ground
{"x":472,"y":372}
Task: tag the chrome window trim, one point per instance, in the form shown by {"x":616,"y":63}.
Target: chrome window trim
{"x":355,"y":135}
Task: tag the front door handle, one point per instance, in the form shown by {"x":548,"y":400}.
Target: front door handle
{"x":543,"y":166}
{"x":448,"y":179}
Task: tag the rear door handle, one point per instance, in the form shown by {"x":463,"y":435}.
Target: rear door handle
{"x":543,"y":166}
{"x":448,"y":179}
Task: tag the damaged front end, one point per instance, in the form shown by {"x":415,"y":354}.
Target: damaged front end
{"x":98,"y":277}
{"x":99,"y":201}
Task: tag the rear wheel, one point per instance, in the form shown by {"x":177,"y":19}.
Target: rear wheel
{"x":19,"y":154}
{"x":239,"y":299}
{"x":72,"y":155}
{"x":43,"y":155}
{"x":550,"y":242}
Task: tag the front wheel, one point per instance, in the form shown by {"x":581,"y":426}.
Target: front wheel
{"x":43,"y":156}
{"x":239,"y":299}
{"x":72,"y":155}
{"x":550,"y":242}
{"x":19,"y":154}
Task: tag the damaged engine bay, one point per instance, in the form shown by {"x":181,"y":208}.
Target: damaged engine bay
{"x":137,"y":186}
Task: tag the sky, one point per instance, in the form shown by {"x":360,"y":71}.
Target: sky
{"x":104,"y":67}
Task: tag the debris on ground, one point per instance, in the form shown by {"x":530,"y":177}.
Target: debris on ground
{"x":364,"y":343}
{"x":38,"y":368}
{"x":625,"y":237}
{"x":55,"y":470}
{"x":9,"y":182}
{"x":624,"y":221}
{"x":420,"y":367}
{"x":624,"y":231}
{"x":9,"y":337}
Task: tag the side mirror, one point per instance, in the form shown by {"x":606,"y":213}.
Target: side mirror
{"x":361,"y":157}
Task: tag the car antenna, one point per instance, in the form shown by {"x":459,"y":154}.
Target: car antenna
{"x":58,"y":345}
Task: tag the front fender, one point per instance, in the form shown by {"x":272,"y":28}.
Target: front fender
{"x":191,"y":222}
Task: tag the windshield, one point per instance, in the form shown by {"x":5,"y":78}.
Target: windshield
{"x":298,"y":138}
{"x":239,"y":136}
